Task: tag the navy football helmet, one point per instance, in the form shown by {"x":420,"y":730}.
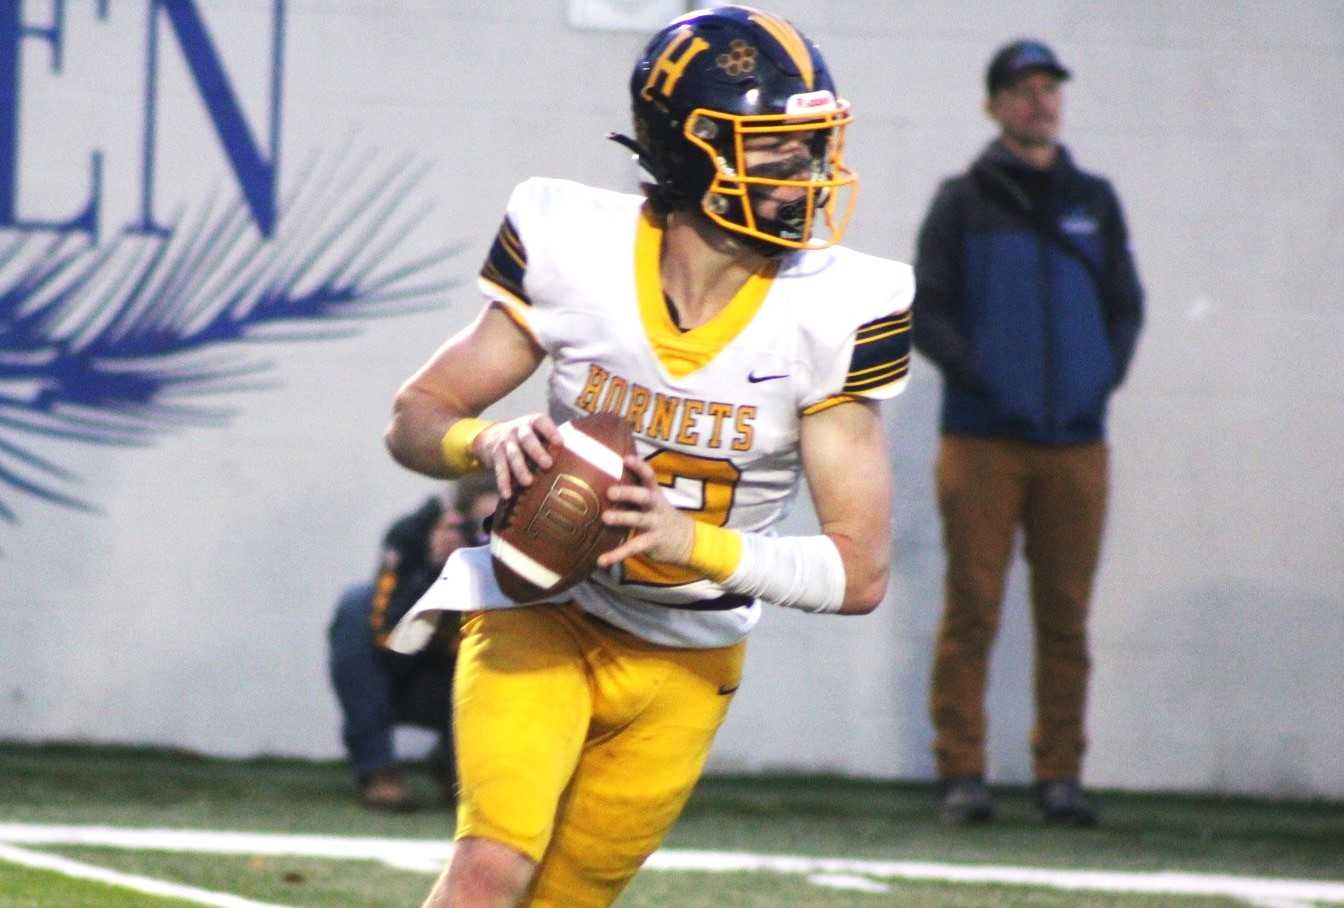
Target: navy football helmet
{"x":734,"y":108}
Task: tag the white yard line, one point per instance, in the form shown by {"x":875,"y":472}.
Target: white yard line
{"x":426,"y":855}
{"x":144,"y":884}
{"x":847,"y":881}
{"x":429,"y":856}
{"x":1246,"y":888}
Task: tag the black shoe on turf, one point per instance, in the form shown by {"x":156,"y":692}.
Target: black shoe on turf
{"x":1063,"y":803}
{"x":965,"y":800}
{"x":385,"y":789}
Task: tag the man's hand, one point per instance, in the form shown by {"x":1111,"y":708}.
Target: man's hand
{"x":662,"y":533}
{"x":511,"y":449}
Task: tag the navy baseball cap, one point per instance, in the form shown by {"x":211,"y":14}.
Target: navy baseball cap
{"x":1019,"y":58}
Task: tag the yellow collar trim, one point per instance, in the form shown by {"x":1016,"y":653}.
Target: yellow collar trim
{"x":683,"y":352}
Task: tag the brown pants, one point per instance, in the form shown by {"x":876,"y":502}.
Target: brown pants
{"x":1057,"y":493}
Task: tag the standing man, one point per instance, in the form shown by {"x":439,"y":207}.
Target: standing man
{"x":1030,"y":305}
{"x":747,"y":351}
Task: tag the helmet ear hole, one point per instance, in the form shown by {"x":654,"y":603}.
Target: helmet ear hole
{"x":716,"y":203}
{"x":704,"y":128}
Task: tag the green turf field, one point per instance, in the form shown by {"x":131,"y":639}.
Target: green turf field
{"x":23,"y":888}
{"x":811,"y":817}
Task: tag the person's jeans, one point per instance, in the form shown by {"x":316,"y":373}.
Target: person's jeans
{"x":1057,"y":494}
{"x":363,"y":684}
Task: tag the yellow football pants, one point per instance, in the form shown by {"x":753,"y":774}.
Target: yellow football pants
{"x":578,"y":743}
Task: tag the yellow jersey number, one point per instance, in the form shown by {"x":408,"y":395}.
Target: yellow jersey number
{"x":718,"y":479}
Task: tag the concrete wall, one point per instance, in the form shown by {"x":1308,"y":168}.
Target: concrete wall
{"x":190,"y":610}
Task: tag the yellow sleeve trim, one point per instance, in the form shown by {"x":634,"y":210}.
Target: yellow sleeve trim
{"x":499,"y":292}
{"x":511,"y":310}
{"x":716,"y":551}
{"x":456,"y":445}
{"x":829,"y":402}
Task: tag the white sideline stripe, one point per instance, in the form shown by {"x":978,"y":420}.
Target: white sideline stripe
{"x":847,"y":881}
{"x":1155,"y":882}
{"x":430,"y":855}
{"x":208,"y":842}
{"x":525,"y":566}
{"x":592,"y":450}
{"x":78,"y":870}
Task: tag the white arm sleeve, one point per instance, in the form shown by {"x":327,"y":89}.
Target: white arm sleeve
{"x":800,"y":572}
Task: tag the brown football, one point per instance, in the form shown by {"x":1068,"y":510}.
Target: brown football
{"x":546,"y":537}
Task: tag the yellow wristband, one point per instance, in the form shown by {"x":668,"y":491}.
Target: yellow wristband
{"x":456,"y":445}
{"x":715,"y":552}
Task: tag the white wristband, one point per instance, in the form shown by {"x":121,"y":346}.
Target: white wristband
{"x":799,"y":572}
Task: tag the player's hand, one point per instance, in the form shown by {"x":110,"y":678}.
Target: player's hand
{"x":660,"y":532}
{"x":512,"y":449}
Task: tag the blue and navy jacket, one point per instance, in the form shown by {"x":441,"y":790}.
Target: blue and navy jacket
{"x":1027,"y":299}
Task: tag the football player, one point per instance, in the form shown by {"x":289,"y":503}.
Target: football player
{"x":747,"y":351}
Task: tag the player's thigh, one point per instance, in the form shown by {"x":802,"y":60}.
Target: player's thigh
{"x":631,"y":785}
{"x":521,"y":710}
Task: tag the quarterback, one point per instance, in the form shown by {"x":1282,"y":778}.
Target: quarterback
{"x":747,"y":350}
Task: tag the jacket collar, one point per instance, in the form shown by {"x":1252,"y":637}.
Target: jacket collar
{"x":996,"y":154}
{"x":1004,"y":172}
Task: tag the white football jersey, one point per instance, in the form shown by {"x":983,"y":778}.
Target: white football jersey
{"x":715,"y":410}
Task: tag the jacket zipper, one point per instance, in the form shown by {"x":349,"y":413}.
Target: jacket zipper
{"x":1048,"y":313}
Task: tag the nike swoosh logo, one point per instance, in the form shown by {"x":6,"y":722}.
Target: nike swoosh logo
{"x":754,"y":378}
{"x":727,"y":689}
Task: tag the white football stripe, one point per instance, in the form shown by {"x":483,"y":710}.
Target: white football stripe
{"x":525,"y":566}
{"x":847,"y":881}
{"x":148,"y":885}
{"x":592,"y":450}
{"x":432,"y":854}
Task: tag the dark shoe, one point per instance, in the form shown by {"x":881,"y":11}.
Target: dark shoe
{"x":384,"y":789}
{"x":965,"y":800}
{"x":1063,"y":803}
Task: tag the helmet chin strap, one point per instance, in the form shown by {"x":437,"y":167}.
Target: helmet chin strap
{"x":757,"y":245}
{"x":765,"y":247}
{"x":741,"y":240}
{"x":788,"y":222}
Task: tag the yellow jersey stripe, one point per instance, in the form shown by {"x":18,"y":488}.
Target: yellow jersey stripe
{"x":867,"y":384}
{"x":513,"y":247}
{"x":900,"y":360}
{"x":492,"y":274}
{"x":869,"y":329}
{"x":877,"y":337}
